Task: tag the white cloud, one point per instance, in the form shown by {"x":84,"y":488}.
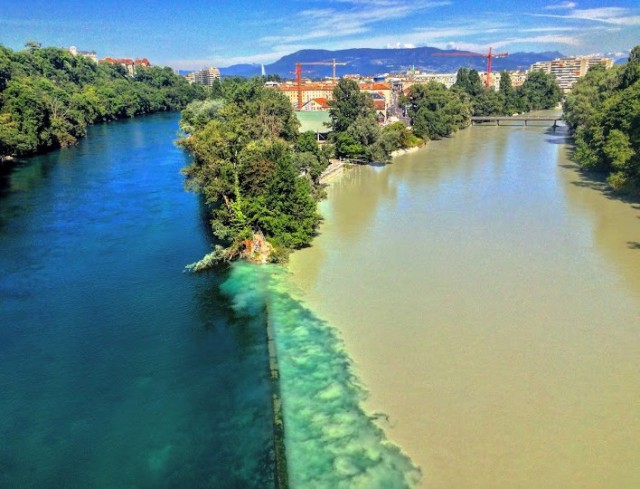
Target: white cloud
{"x":608,"y":15}
{"x":360,"y":24}
{"x":550,"y":29}
{"x":330,"y":23}
{"x":562,"y":6}
{"x":548,"y":39}
{"x":400,"y":45}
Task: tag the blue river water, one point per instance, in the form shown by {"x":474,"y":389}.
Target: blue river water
{"x":117,"y":369}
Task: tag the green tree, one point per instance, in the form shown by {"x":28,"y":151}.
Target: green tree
{"x":51,"y":96}
{"x":198,"y":113}
{"x":437,"y":112}
{"x":469,"y":82}
{"x":257,"y":174}
{"x":309,"y":158}
{"x":353,"y":120}
{"x":475,"y":84}
{"x":32,"y":46}
{"x":5,"y":67}
{"x":540,"y":91}
{"x":293,"y":218}
{"x":618,"y":150}
{"x":588,"y":95}
{"x":603,"y":111}
{"x":10,"y":136}
{"x":489,"y":102}
{"x":462,"y":80}
{"x":631,"y":73}
{"x":508,"y":93}
{"x":348,"y":104}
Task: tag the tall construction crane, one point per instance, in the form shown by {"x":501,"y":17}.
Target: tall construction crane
{"x":489,"y":57}
{"x":299,"y":65}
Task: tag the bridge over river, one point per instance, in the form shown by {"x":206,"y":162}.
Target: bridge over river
{"x":516,"y":120}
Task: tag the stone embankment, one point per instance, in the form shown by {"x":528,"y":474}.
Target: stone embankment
{"x":336,"y":167}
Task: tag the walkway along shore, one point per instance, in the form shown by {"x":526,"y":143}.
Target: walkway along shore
{"x":337,"y":167}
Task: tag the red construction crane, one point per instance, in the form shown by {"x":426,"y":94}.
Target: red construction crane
{"x":489,"y":57}
{"x":298,"y":72}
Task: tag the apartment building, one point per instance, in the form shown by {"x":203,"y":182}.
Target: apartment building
{"x":568,"y":70}
{"x":205,"y":76}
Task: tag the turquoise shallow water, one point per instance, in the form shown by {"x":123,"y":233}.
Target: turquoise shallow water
{"x":116,"y":368}
{"x":331,"y":441}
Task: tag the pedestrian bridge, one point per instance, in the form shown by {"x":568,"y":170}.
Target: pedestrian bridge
{"x":517,"y":120}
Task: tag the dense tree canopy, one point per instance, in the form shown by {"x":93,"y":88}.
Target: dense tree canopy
{"x":437,"y":112}
{"x":539,"y":91}
{"x":48,"y":97}
{"x":603,"y":110}
{"x":356,"y":132}
{"x":259,"y":176}
{"x":469,"y":81}
{"x":353,"y":121}
{"x":349,"y":104}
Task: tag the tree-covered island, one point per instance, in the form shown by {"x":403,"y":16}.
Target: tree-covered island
{"x":257,"y":174}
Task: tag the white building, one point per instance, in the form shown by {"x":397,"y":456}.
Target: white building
{"x":568,"y":70}
{"x":206,"y":76}
{"x":87,"y":54}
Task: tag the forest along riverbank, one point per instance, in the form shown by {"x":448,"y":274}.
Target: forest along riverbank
{"x":489,"y":296}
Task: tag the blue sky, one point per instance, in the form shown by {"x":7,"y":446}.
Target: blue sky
{"x":197,"y":33}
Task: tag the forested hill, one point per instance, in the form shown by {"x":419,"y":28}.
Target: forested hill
{"x":48,"y":97}
{"x":370,"y":62}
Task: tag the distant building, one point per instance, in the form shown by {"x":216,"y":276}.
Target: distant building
{"x":517,"y":78}
{"x":205,"y":76}
{"x":380,"y":92}
{"x":494,"y":83}
{"x":142,"y":62}
{"x":380,"y":105}
{"x":568,"y":70}
{"x":128,"y":63}
{"x":447,"y":79}
{"x":310,"y":91}
{"x":316,"y":104}
{"x":85,"y":54}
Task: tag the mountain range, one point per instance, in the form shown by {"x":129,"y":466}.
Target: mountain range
{"x":370,"y":62}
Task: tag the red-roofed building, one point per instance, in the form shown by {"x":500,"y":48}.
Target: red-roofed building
{"x":128,"y":63}
{"x":310,"y":91}
{"x":315,"y":104}
{"x":380,"y":92}
{"x":375,"y":89}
